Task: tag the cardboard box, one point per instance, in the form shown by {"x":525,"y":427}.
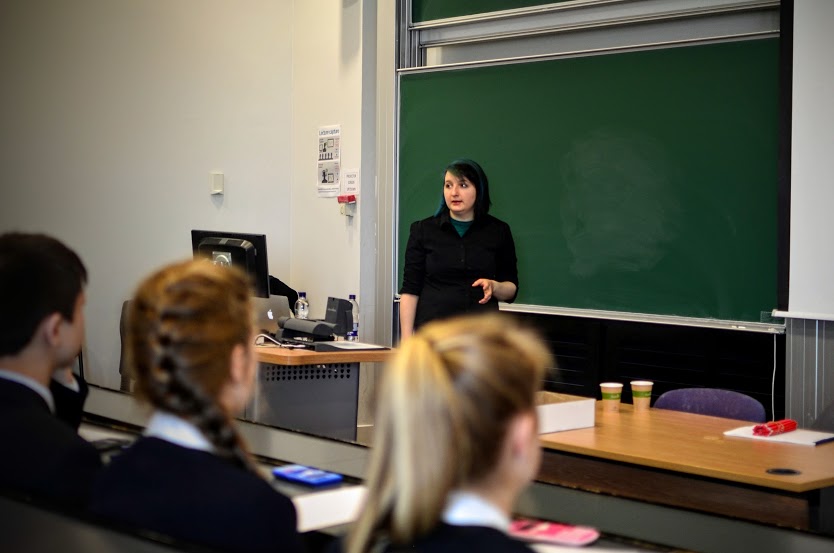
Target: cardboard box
{"x":559,"y":412}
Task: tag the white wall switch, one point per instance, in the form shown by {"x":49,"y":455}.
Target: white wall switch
{"x":216,"y":183}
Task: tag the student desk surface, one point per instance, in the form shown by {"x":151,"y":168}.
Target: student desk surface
{"x":684,"y":460}
{"x":292,"y":357}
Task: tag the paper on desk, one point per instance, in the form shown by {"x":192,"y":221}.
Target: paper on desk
{"x":348,"y":345}
{"x":318,"y":510}
{"x":91,"y":433}
{"x":800,"y":437}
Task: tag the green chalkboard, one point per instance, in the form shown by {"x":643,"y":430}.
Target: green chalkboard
{"x":427,"y":10}
{"x":640,"y":182}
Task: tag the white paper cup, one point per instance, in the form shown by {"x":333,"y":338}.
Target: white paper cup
{"x":611,"y":394}
{"x":641,"y":394}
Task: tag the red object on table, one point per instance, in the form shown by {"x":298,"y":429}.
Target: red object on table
{"x":774,"y":427}
{"x":552,"y":532}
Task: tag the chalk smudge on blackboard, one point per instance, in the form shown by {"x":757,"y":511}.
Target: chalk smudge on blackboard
{"x":617,"y":207}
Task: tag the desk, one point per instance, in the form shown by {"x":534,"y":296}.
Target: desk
{"x":684,"y":460}
{"x":32,"y":527}
{"x":296,"y":357}
{"x":621,"y":516}
{"x":316,"y":392}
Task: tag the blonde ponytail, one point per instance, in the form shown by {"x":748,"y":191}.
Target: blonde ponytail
{"x":444,"y":405}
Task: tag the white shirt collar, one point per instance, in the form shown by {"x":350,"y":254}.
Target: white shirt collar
{"x":469,"y":509}
{"x":176,"y":430}
{"x":32,"y":384}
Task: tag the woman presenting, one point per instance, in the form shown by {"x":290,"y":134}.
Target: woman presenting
{"x":462,"y":259}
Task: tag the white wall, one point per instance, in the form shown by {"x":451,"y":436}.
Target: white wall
{"x":812,"y":184}
{"x":327,"y":90}
{"x":113,"y":114}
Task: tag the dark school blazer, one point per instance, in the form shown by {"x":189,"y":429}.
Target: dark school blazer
{"x":440,"y":266}
{"x":43,"y":456}
{"x":195,"y":496}
{"x":69,"y":404}
{"x":447,"y":538}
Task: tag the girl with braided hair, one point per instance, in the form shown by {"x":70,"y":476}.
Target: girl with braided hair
{"x":190,"y":341}
{"x":455,"y":439}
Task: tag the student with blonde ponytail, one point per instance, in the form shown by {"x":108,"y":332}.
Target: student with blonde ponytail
{"x":190,"y":341}
{"x":455,"y":440}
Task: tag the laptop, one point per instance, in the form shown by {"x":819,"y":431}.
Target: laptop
{"x":269,"y":310}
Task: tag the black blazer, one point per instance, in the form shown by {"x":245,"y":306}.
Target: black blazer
{"x":43,"y":457}
{"x":195,"y":496}
{"x":69,"y":404}
{"x":454,"y":539}
{"x":440,"y":266}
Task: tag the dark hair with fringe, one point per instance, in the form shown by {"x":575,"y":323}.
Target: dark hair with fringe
{"x":471,"y":171}
{"x":39,"y":276}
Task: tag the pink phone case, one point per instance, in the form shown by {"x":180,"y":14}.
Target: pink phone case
{"x":552,"y":532}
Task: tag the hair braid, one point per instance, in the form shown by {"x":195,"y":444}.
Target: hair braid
{"x":183,"y":324}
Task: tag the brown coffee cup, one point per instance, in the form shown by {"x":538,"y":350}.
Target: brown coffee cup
{"x":641,"y":394}
{"x":611,"y":394}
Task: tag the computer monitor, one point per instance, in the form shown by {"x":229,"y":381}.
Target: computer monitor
{"x":245,"y":251}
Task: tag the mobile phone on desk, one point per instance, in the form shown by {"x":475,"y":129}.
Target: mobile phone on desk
{"x":308,"y":476}
{"x":540,"y":531}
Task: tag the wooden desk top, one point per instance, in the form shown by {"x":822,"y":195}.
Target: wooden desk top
{"x":293,"y":357}
{"x":695,"y":444}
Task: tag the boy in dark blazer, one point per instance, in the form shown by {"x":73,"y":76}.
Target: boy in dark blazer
{"x":41,"y":331}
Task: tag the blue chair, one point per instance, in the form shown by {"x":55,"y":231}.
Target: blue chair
{"x":713,"y":402}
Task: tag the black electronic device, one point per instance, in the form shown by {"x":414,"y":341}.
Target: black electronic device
{"x":245,"y":251}
{"x":340,"y":313}
{"x":305,"y":330}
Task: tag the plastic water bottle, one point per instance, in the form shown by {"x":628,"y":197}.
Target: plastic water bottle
{"x":302,"y":306}
{"x":354,"y":333}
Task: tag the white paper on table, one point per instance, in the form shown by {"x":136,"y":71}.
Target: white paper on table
{"x":348,"y":345}
{"x":318,"y":510}
{"x":799,"y":437}
{"x":91,"y":433}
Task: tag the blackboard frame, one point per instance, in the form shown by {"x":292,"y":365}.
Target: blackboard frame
{"x":419,"y":203}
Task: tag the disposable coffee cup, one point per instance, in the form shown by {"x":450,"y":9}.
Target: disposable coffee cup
{"x":641,"y":394}
{"x":611,"y":393}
